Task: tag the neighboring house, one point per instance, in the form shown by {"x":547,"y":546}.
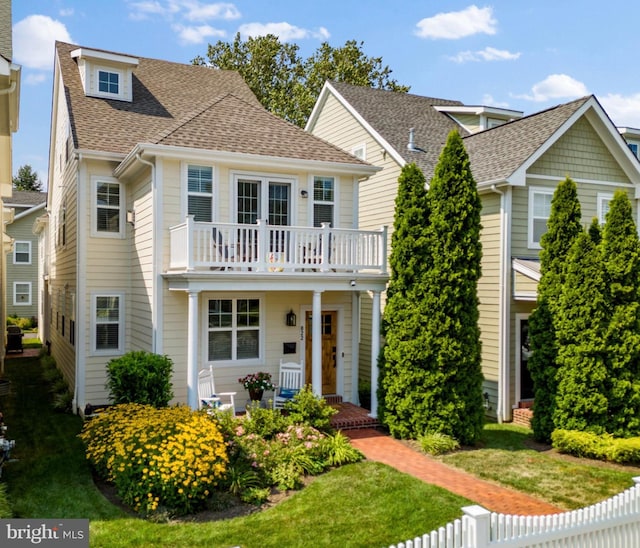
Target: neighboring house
{"x":517,"y":162}
{"x":9,"y":109}
{"x":186,"y":220}
{"x":22,"y":263}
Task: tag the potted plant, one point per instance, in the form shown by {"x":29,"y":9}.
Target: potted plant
{"x":256,"y":384}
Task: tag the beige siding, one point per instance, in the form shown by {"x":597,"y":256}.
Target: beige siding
{"x":523,"y":285}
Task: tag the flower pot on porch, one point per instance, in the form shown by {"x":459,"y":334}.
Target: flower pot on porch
{"x":255,"y":395}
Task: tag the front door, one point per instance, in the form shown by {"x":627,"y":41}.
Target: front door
{"x":329,"y":349}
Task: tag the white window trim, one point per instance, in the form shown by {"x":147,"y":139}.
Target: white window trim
{"x":532,"y":191}
{"x":121,"y":324}
{"x":264,"y":180}
{"x":121,"y":82}
{"x":15,"y":294}
{"x":95,"y":233}
{"x":15,"y":253}
{"x":603,"y":197}
{"x":254,"y":362}
{"x":336,"y":200}
{"x":184,"y":185}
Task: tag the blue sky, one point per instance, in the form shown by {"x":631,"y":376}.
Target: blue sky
{"x":515,"y":54}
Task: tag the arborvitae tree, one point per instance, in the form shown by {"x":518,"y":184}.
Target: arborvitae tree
{"x":581,"y":324}
{"x":563,"y":228}
{"x":441,"y":385}
{"x":621,"y":259}
{"x":402,"y":357}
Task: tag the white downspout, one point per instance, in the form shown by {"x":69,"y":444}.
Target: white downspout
{"x":504,"y":303}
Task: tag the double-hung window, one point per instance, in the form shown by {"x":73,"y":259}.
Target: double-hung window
{"x":323,"y":200}
{"x":539,"y":213}
{"x":22,"y":253}
{"x":234,"y":330}
{"x":200,"y":192}
{"x":108,"y":323}
{"x":22,"y":293}
{"x":604,"y":201}
{"x":108,"y":199}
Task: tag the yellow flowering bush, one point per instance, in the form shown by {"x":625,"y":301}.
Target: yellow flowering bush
{"x":170,"y":458}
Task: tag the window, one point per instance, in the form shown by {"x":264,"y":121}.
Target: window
{"x":539,"y":212}
{"x":360,"y":151}
{"x":200,"y":192}
{"x":22,"y":293}
{"x":604,"y":201}
{"x":233,"y":330}
{"x":634,"y":148}
{"x":22,"y":252}
{"x":262,"y":198}
{"x":108,"y":320}
{"x":108,"y":214}
{"x":323,"y":200}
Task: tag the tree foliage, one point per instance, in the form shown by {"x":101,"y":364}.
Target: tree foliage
{"x":288,"y":85}
{"x":27,"y":179}
{"x":432,"y":380}
{"x":563,"y":228}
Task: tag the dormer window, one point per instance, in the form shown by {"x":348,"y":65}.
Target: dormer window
{"x":104,"y":74}
{"x":108,"y":82}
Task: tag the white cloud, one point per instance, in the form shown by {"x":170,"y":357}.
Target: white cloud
{"x":33,"y":41}
{"x":284,"y":31}
{"x":191,"y":10}
{"x":556,"y":86}
{"x":197,"y":12}
{"x":66,"y":12}
{"x":623,"y":110}
{"x":458,"y":24}
{"x":489,"y":101}
{"x":487,"y":54}
{"x":196,"y":35}
{"x":35,"y":78}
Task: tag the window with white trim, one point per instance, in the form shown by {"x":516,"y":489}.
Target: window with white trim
{"x":22,"y":293}
{"x":539,"y":213}
{"x":22,"y":252}
{"x":108,"y":213}
{"x":200,"y":192}
{"x":109,"y":82}
{"x":323,"y":200}
{"x":604,"y":201}
{"x":107,"y":313}
{"x":233,"y":330}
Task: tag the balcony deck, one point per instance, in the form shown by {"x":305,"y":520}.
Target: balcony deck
{"x":199,"y":246}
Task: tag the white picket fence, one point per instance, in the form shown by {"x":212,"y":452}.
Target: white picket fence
{"x":613,"y":523}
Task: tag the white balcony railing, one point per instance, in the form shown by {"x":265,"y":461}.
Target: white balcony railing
{"x":265,"y":248}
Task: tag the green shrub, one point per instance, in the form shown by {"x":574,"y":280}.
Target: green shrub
{"x":582,"y":444}
{"x":307,"y":408}
{"x":265,"y":422}
{"x":140,"y":377}
{"x":5,"y":507}
{"x":25,"y":324}
{"x":625,"y":451}
{"x":437,"y":443}
{"x":171,"y":458}
{"x":339,"y":451}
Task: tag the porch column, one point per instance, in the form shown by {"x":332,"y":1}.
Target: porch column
{"x":192,"y":350}
{"x":375,"y":350}
{"x":316,"y":344}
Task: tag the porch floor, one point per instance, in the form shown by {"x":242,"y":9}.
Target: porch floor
{"x":351,"y":417}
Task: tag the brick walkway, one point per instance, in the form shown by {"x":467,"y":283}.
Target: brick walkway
{"x":382,"y":448}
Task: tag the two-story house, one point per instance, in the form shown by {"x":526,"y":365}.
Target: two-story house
{"x":23,"y":275}
{"x":9,"y":110}
{"x":186,"y":220}
{"x":517,"y":161}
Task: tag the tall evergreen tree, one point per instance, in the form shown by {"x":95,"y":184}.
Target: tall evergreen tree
{"x":581,"y":323}
{"x":563,"y":228}
{"x":27,"y":179}
{"x":621,"y":259}
{"x":401,"y":359}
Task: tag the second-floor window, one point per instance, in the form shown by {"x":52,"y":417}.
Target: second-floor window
{"x":200,"y":192}
{"x":604,"y":201}
{"x":539,"y":213}
{"x":22,"y":253}
{"x":323,"y":200}
{"x":263,"y":198}
{"x":108,"y":213}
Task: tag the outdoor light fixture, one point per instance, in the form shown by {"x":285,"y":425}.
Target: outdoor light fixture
{"x":487,"y":404}
{"x":291,"y":319}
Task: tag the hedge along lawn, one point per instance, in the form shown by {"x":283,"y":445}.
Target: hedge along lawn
{"x":507,"y":458}
{"x":364,"y":504}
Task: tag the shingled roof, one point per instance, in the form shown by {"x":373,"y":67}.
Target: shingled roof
{"x":494,"y":153}
{"x":392,"y":114}
{"x":185,"y":105}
